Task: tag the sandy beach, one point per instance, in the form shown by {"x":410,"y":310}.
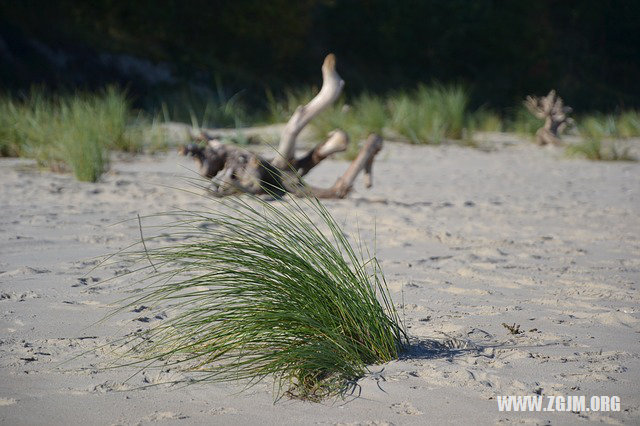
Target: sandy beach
{"x":468,"y":239}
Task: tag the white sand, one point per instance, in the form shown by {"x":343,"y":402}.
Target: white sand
{"x":470,"y":239}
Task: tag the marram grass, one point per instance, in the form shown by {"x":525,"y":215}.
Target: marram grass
{"x":261,"y":290}
{"x":69,"y":132}
{"x":596,"y":149}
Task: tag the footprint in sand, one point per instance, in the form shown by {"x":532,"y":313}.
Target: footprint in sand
{"x":162,"y":415}
{"x":405,"y":408}
{"x":19,"y":297}
{"x":223,"y":411}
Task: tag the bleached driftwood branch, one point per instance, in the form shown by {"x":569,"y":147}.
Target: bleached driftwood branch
{"x":332,"y":86}
{"x":233,"y":169}
{"x":363,"y":161}
{"x":556,"y":118}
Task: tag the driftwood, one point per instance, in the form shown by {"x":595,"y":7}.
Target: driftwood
{"x":550,"y":108}
{"x":235,"y":170}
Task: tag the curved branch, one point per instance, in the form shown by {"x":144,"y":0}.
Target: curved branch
{"x":337,"y":142}
{"x":343,"y":185}
{"x":332,"y":85}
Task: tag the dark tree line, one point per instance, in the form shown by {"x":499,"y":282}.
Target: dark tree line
{"x":503,"y":50}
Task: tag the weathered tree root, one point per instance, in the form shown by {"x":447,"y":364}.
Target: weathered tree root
{"x":550,"y":108}
{"x":235,"y":170}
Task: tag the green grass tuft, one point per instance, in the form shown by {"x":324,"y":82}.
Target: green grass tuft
{"x":66,"y":132}
{"x":596,"y":127}
{"x":485,"y":120}
{"x":427,"y":115}
{"x":431,"y":114}
{"x":628,"y":124}
{"x":524,"y":123}
{"x":261,"y":289}
{"x":112,"y":110}
{"x":451,"y":103}
{"x":80,"y":140}
{"x":203,"y":108}
{"x":370,"y":115}
{"x":597,"y":150}
{"x":624,"y":125}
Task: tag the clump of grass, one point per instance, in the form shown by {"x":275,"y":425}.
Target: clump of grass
{"x":66,"y":132}
{"x":406,"y":120}
{"x":228,"y":113}
{"x":80,"y":141}
{"x":450,"y":103}
{"x":370,"y":115}
{"x":417,"y":119}
{"x":628,"y":124}
{"x":149,"y":133}
{"x":624,"y":125}
{"x":431,"y":114}
{"x":485,"y":120}
{"x":262,"y":289}
{"x":597,"y":131}
{"x":596,"y":127}
{"x":8,"y":147}
{"x":524,"y":123}
{"x":112,"y":111}
{"x":10,"y":143}
{"x":205,"y":108}
{"x":597,"y":150}
{"x":428,"y":115}
{"x":24,"y":123}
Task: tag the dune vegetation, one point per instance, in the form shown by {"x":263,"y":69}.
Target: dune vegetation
{"x":76,"y":132}
{"x":73,"y":133}
{"x":601,"y":136}
{"x":265,"y":290}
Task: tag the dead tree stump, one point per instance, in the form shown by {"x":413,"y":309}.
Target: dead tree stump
{"x":234,"y":170}
{"x":550,"y":108}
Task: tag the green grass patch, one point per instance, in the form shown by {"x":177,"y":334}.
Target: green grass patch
{"x":485,"y":120}
{"x":597,"y":126}
{"x":71,"y":132}
{"x":429,"y":115}
{"x":202,"y":108}
{"x":623,"y":125}
{"x":262,"y":290}
{"x":597,"y":150}
{"x":80,"y":140}
{"x":628,"y":124}
{"x":523,"y":122}
{"x":149,"y":134}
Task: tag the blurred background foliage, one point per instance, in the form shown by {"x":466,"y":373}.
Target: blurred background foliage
{"x":165,"y":49}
